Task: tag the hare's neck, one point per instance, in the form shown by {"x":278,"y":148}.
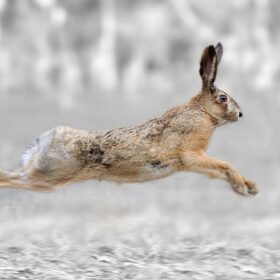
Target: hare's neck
{"x":198,"y":105}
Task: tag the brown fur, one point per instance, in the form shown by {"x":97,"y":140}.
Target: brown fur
{"x":175,"y":141}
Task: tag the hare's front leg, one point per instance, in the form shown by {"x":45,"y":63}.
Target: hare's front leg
{"x":200,"y":162}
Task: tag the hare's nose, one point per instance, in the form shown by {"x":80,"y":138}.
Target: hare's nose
{"x":240,"y":114}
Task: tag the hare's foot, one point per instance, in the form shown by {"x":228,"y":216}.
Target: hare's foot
{"x":247,"y":188}
{"x":251,"y":186}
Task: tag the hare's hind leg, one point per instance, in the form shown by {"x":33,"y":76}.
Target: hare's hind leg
{"x":201,"y":163}
{"x":28,"y":179}
{"x":45,"y":165}
{"x":21,"y":180}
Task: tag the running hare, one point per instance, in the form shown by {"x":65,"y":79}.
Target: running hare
{"x":175,"y":141}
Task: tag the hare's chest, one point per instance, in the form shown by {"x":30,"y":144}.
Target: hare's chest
{"x":196,"y":141}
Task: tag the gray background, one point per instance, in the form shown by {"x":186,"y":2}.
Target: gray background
{"x":101,"y":64}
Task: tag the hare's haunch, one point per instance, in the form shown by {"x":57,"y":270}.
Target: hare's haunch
{"x":175,"y":141}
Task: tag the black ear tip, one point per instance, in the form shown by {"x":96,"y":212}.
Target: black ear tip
{"x":219,"y":46}
{"x":211,"y":50}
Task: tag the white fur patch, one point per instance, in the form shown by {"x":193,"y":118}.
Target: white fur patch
{"x":230,"y":108}
{"x":33,"y":152}
{"x":151,"y":172}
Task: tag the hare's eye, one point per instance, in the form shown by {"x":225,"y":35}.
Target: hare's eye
{"x":222,"y":98}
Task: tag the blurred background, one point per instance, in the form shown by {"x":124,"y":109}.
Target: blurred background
{"x":97,"y":64}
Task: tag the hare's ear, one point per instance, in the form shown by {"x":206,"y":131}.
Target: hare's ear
{"x":208,"y":66}
{"x":219,"y":52}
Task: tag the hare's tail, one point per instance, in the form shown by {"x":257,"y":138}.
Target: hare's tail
{"x":9,"y":179}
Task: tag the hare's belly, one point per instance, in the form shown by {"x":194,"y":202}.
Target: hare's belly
{"x":155,"y":170}
{"x":147,"y":172}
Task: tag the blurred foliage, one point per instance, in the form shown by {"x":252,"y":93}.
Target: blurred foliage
{"x":64,"y":48}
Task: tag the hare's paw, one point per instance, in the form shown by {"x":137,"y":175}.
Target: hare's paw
{"x":251,"y":186}
{"x":247,"y":188}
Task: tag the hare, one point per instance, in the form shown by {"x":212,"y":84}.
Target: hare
{"x":175,"y":141}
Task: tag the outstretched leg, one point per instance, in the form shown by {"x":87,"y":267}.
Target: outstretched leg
{"x":201,"y":163}
{"x":23,"y":180}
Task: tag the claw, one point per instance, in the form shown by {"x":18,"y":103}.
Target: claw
{"x":253,"y":190}
{"x":242,"y":190}
{"x":249,"y":188}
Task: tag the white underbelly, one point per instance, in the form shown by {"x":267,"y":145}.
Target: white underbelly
{"x":153,"y":173}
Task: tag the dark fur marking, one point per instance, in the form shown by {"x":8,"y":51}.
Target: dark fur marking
{"x":180,"y":162}
{"x":158,"y":165}
{"x":96,"y":154}
{"x":108,"y":134}
{"x":90,"y":154}
{"x":107,"y":165}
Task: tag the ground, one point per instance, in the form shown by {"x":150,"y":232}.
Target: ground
{"x":151,"y":231}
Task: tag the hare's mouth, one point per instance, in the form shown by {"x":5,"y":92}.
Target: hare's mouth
{"x":233,"y":117}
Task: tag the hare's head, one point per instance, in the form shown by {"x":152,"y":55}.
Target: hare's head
{"x":214,"y":101}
